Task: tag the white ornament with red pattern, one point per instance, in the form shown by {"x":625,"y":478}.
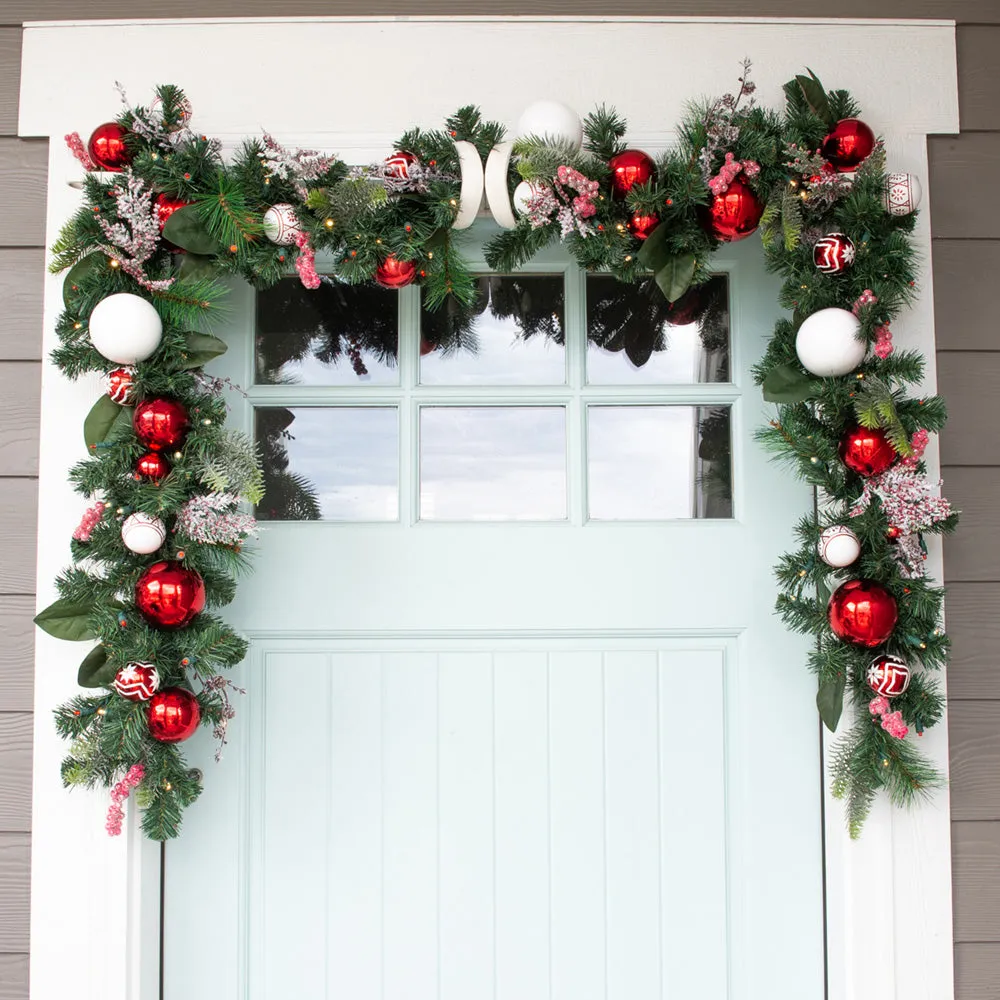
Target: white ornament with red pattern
{"x":120,"y":383}
{"x":833,"y":253}
{"x":838,"y":546}
{"x":137,"y":681}
{"x":143,"y":533}
{"x":281,"y":224}
{"x":888,"y":676}
{"x":901,"y":194}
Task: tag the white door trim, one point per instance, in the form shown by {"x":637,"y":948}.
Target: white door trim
{"x":892,"y":939}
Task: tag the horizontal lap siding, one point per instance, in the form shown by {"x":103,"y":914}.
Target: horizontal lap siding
{"x":966,"y":227}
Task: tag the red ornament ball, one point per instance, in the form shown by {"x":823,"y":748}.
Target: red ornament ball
{"x":137,"y":681}
{"x":862,"y":612}
{"x":120,"y":383}
{"x":735,"y":214}
{"x":629,"y":168}
{"x":640,"y":226}
{"x":848,"y":145}
{"x":398,"y":165}
{"x":688,"y":308}
{"x":834,"y":253}
{"x":867,"y":451}
{"x":894,"y":533}
{"x":166,"y":205}
{"x":160,"y":423}
{"x":173,"y":716}
{"x":168,"y":595}
{"x":395,"y":273}
{"x":107,"y":149}
{"x":152,"y":466}
{"x":888,"y":675}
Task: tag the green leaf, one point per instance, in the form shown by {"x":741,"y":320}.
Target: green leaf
{"x":674,"y":278}
{"x":823,"y":593}
{"x":95,"y":671}
{"x":195,"y":266}
{"x":815,"y":95}
{"x":787,"y":384}
{"x":830,"y":702}
{"x":76,"y":274}
{"x":66,"y":621}
{"x":202,"y":348}
{"x":100,"y":420}
{"x":186,"y":229}
{"x":654,"y":253}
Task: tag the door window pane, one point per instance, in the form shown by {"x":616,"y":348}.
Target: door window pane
{"x":491,"y":463}
{"x":329,"y":463}
{"x":635,"y":336}
{"x":659,"y":462}
{"x":333,"y":335}
{"x":513,"y":335}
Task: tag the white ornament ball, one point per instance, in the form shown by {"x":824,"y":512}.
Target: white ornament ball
{"x":143,"y":533}
{"x":125,"y":328}
{"x":838,"y":546}
{"x":552,"y":121}
{"x":523,"y":193}
{"x":901,"y":194}
{"x":827,"y":343}
{"x":281,"y":225}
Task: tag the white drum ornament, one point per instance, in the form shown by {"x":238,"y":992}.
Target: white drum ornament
{"x":827,"y":343}
{"x":143,"y":534}
{"x":901,"y":194}
{"x":281,"y":225}
{"x":137,"y":681}
{"x":125,"y":328}
{"x":552,"y":121}
{"x":838,"y":546}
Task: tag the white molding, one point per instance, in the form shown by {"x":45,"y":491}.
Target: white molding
{"x":890,"y":894}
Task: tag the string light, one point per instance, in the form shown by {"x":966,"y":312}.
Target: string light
{"x":114,"y":264}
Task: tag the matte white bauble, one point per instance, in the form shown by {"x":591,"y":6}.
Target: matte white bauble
{"x":901,"y":194}
{"x":523,"y":193}
{"x":143,"y":533}
{"x":838,"y":546}
{"x":827,"y":343}
{"x":281,"y":225}
{"x":125,"y":328}
{"x":553,"y":121}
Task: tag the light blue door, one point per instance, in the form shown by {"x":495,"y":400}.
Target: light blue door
{"x":520,"y":723}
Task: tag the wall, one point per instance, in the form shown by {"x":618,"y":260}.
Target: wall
{"x":966,"y":226}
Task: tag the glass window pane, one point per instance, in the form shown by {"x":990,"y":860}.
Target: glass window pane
{"x":334,"y":335}
{"x":329,"y":463}
{"x":635,"y":336}
{"x":513,"y":335}
{"x":658,"y":462}
{"x":491,"y":463}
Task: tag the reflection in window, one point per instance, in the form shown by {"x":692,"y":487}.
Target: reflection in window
{"x":513,"y":335}
{"x":336,"y":335}
{"x":329,"y":463}
{"x":659,"y":462}
{"x":491,"y":463}
{"x":635,"y":336}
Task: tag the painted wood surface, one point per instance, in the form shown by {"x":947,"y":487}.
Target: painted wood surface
{"x":15,"y":851}
{"x":15,"y":772}
{"x":976,"y":863}
{"x":974,"y":627}
{"x":17,"y":643}
{"x":965,"y":307}
{"x":13,"y":977}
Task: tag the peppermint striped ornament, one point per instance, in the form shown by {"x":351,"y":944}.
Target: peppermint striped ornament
{"x":137,"y":681}
{"x":833,"y":253}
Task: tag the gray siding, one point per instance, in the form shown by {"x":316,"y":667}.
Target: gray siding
{"x":966,"y":226}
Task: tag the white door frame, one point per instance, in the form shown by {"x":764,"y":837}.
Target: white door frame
{"x":892,"y":939}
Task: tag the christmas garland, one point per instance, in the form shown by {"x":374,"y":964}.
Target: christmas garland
{"x":165,"y":217}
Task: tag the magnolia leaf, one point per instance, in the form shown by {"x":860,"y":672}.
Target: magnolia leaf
{"x":787,"y":384}
{"x":654,"y":253}
{"x":77,"y":273}
{"x":186,"y":229}
{"x":100,"y":420}
{"x":674,"y":278}
{"x":639,"y":344}
{"x":202,"y":348}
{"x":66,"y":620}
{"x":95,"y":670}
{"x":830,"y":702}
{"x":815,"y":95}
{"x":195,"y":266}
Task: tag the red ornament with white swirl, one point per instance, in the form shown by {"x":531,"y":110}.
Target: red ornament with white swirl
{"x":281,"y":224}
{"x":838,"y":546}
{"x":888,"y":676}
{"x":398,"y":165}
{"x":901,"y":194}
{"x":120,"y":383}
{"x":137,"y":681}
{"x":833,"y":253}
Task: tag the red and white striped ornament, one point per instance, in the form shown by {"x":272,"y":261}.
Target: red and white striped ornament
{"x":137,"y":681}
{"x":398,"y":165}
{"x":120,"y":383}
{"x":888,"y":676}
{"x":833,"y":253}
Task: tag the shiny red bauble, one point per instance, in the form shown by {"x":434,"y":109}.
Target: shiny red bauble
{"x":735,"y":214}
{"x":398,"y":165}
{"x":119,"y":385}
{"x":173,"y":716}
{"x":160,"y":423}
{"x":867,"y":451}
{"x":107,"y":149}
{"x":888,"y":676}
{"x":152,"y":466}
{"x":848,"y":145}
{"x":640,"y":226}
{"x":628,"y":169}
{"x":862,"y":612}
{"x":395,"y":273}
{"x":168,"y":595}
{"x":166,"y":205}
{"x":688,"y":308}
